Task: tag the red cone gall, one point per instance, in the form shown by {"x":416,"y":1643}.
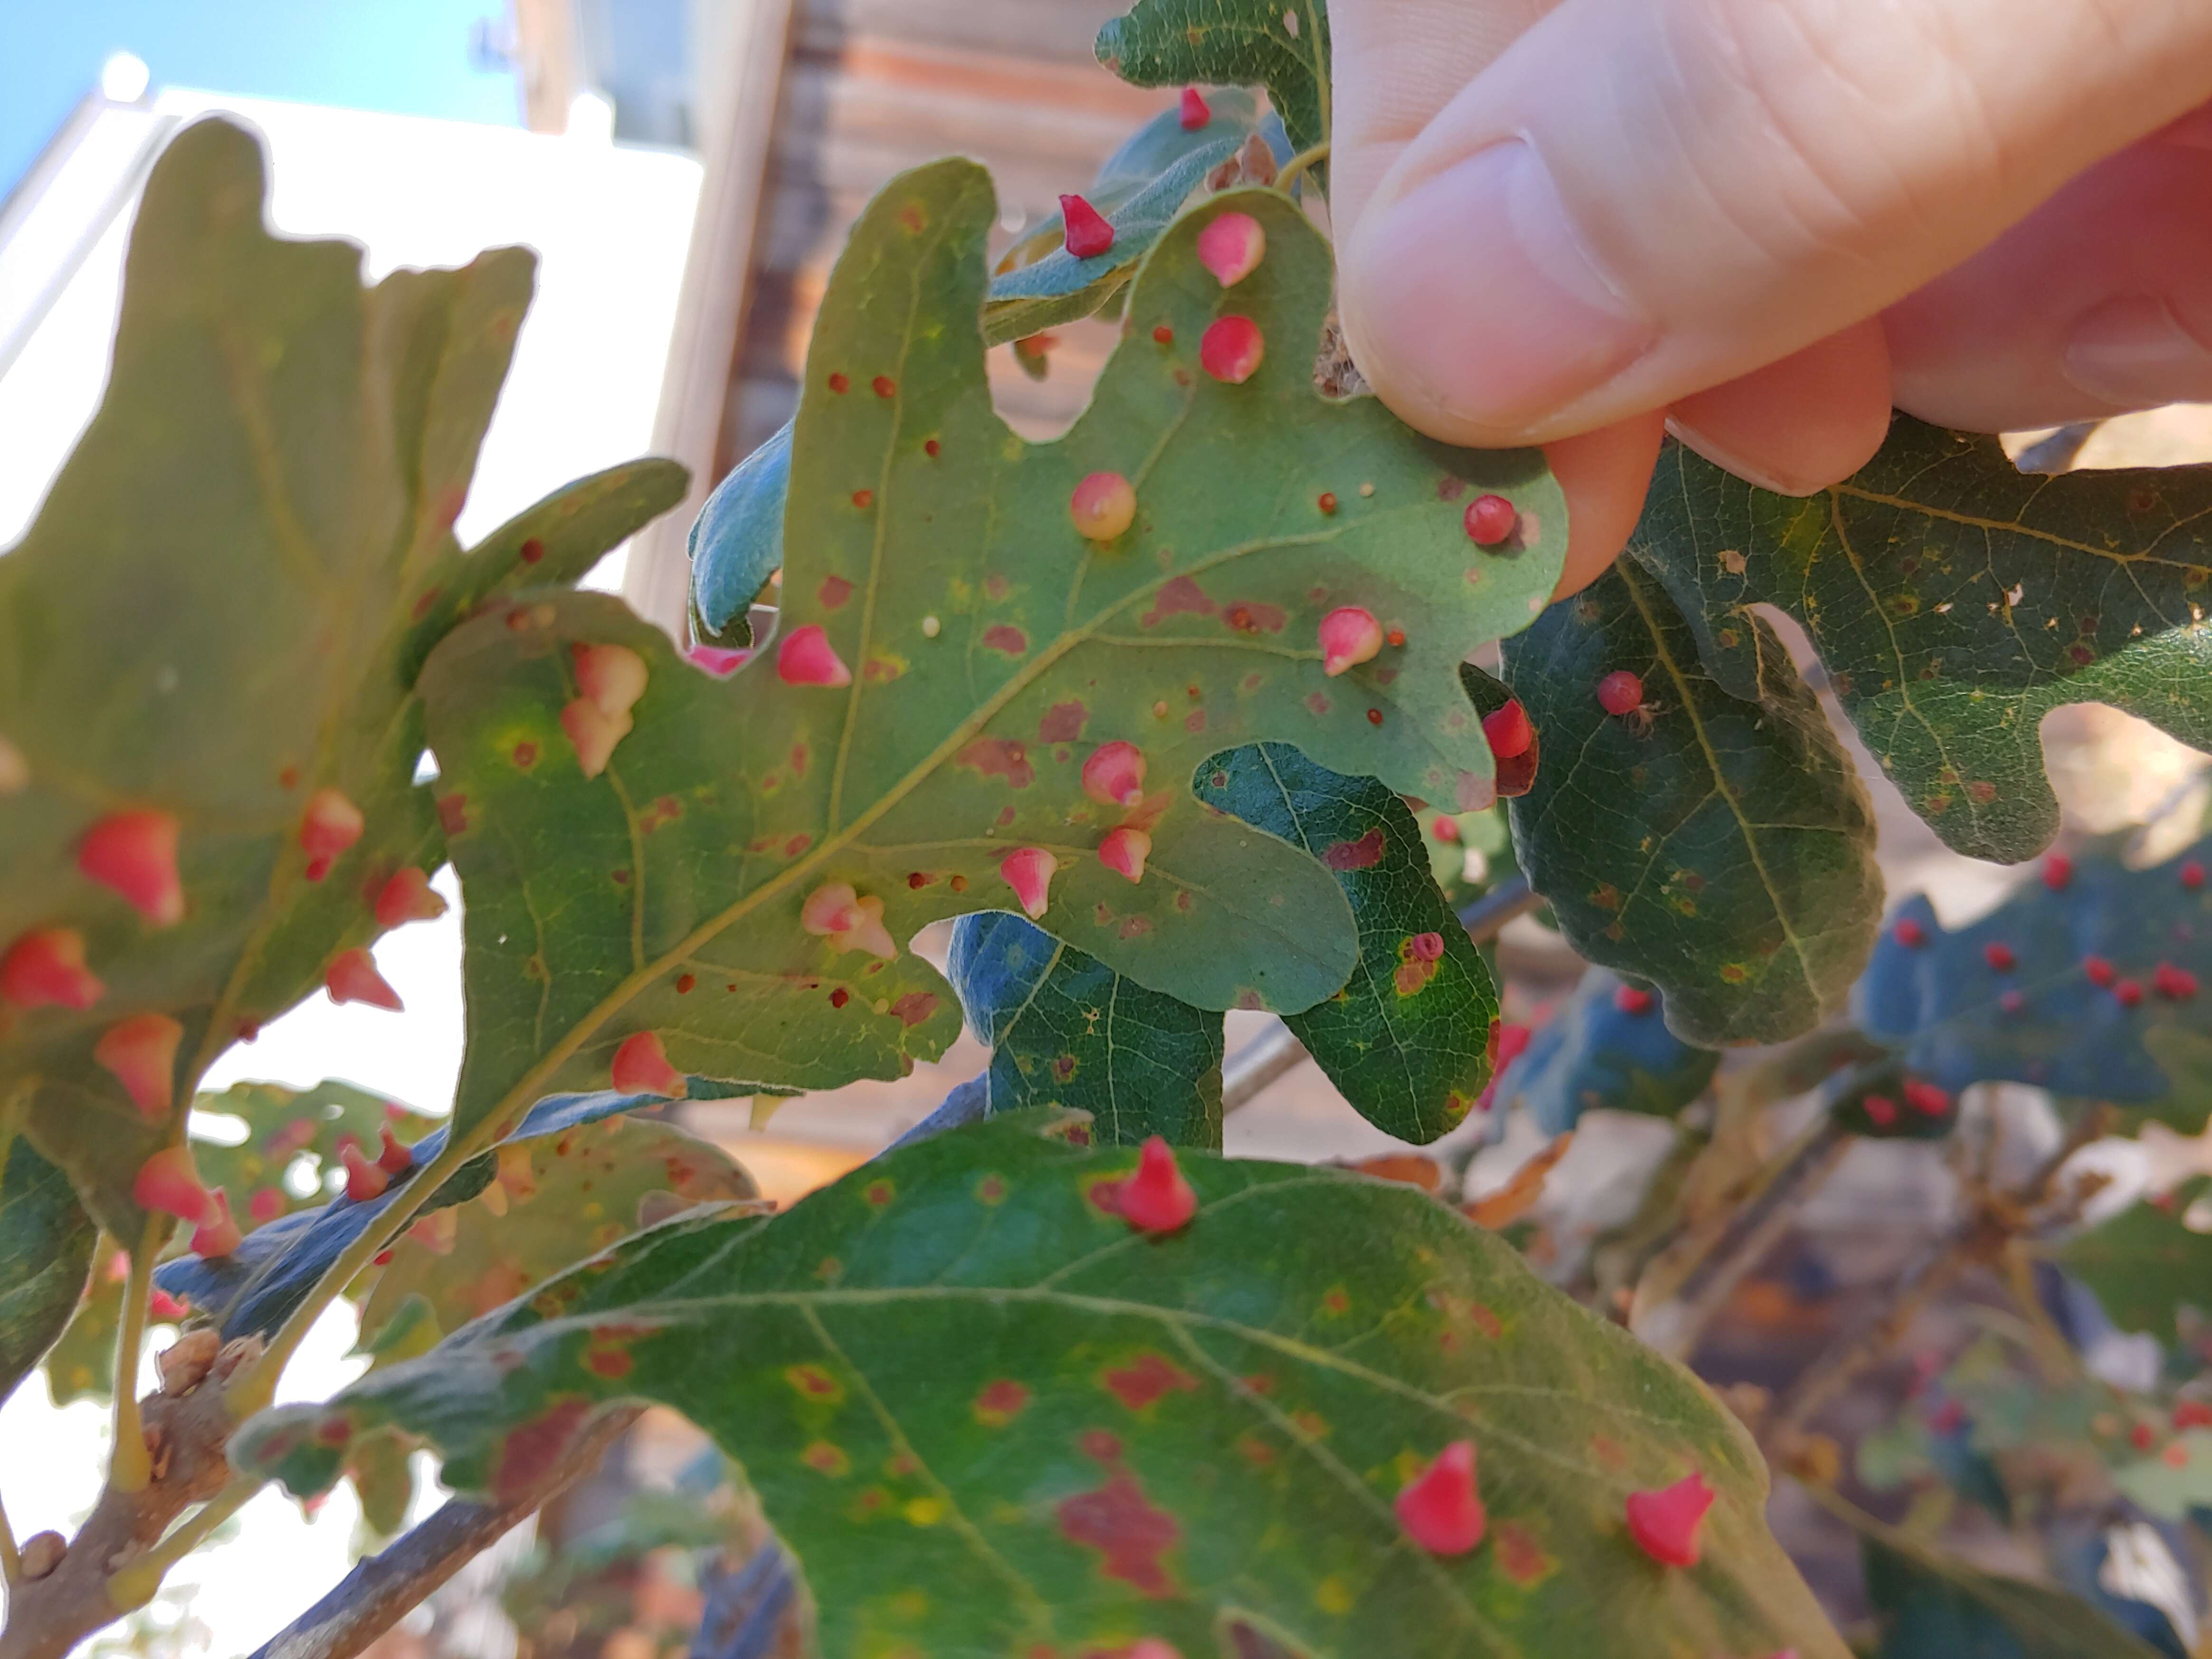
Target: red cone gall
{"x":641,"y":1067}
{"x":1440,"y":1508}
{"x":1349,"y":636}
{"x":1231,"y":349}
{"x":1881,"y":1110}
{"x":1231,"y":246}
{"x":166,"y":1309}
{"x":1632,"y":1000}
{"x":45,"y":969}
{"x":1156,"y":1199}
{"x":329,"y":825}
{"x":834,"y":912}
{"x":1087,"y":233}
{"x":611,"y":676}
{"x":218,"y":1234}
{"x":1124,"y":851}
{"x":395,"y":1159}
{"x":1925,"y":1098}
{"x":805,"y":657}
{"x":1115,"y":774}
{"x":141,"y":1054}
{"x":2174,"y":984}
{"x":352,"y":977}
{"x":2057,"y":871}
{"x":1665,"y":1523}
{"x":2099,"y":971}
{"x":1908,"y":933}
{"x":1194,"y":114}
{"x":1103,"y":506}
{"x":364,"y":1180}
{"x":2127,"y":993}
{"x":1621,"y":692}
{"x":1507,"y":729}
{"x":135,"y":855}
{"x":1028,"y":872}
{"x":170,"y":1183}
{"x":1491,"y":521}
{"x":1999,"y":956}
{"x":593,"y":733}
{"x":2192,"y":875}
{"x":405,"y":897}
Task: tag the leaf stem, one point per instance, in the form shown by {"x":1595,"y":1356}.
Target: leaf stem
{"x":11,"y":1557}
{"x":1299,"y":165}
{"x":133,"y":1586}
{"x":129,"y":1465}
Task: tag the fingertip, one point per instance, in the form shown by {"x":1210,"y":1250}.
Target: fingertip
{"x":1801,"y":425}
{"x":1604,"y":476}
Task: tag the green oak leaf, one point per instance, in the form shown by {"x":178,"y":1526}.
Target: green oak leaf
{"x":1281,"y":45}
{"x":1607,"y":1048}
{"x":80,"y":1364}
{"x":1407,"y":1040}
{"x":557,"y":1198}
{"x":1717,"y":844}
{"x":991,"y":650}
{"x":1141,"y":188}
{"x":1065,"y":1030}
{"x":46,"y":1252}
{"x":2015,"y":994}
{"x":1955,"y":602}
{"x":2146,"y":1263}
{"x":260,"y":512}
{"x":1932,"y":1606}
{"x":991,"y":1419}
{"x":383,"y":1476}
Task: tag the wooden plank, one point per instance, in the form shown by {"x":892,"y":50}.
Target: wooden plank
{"x":1045,"y":30}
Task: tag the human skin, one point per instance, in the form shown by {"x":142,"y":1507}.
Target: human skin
{"x":1761,"y":224}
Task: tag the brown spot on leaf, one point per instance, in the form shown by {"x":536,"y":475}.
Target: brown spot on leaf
{"x":915,"y":1007}
{"x":1195,"y":721}
{"x":1251,"y":617}
{"x":454,"y":813}
{"x":833,"y":592}
{"x":1063,"y":722}
{"x":1000,"y":1403}
{"x":996,"y":587}
{"x":1522,"y":1557}
{"x":823,"y":1458}
{"x":1182,"y":596}
{"x":530,"y":1449}
{"x":1362,"y":854}
{"x":812,"y":1383}
{"x":999,"y":758}
{"x":1001,"y":637}
{"x":524,"y":754}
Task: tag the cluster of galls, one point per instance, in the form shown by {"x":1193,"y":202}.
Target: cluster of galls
{"x":1441,"y":1510}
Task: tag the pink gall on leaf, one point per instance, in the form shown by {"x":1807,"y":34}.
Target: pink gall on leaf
{"x":1440,"y":1509}
{"x":1491,"y":521}
{"x":405,"y":897}
{"x":593,"y":733}
{"x":2057,"y":871}
{"x":1232,"y":247}
{"x":394,"y":1160}
{"x":1195,"y":112}
{"x":805,"y":657}
{"x":611,"y":676}
{"x":134,"y":854}
{"x":329,"y":824}
{"x":1349,"y":636}
{"x":1103,"y":506}
{"x":352,"y":977}
{"x":834,"y":912}
{"x":1621,"y":692}
{"x":641,"y":1067}
{"x":141,"y":1054}
{"x":169,"y":1182}
{"x":1231,"y":349}
{"x":166,"y":1309}
{"x":1156,"y":1199}
{"x":45,"y":969}
{"x":719,"y":660}
{"x":218,"y":1234}
{"x":1124,"y":851}
{"x":1665,"y":1523}
{"x":1509,"y":729}
{"x":1087,"y":234}
{"x":363,"y":1180}
{"x":1028,"y":872}
{"x":1631,"y":1000}
{"x":1115,"y":774}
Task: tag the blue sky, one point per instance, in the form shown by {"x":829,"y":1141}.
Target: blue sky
{"x":406,"y":57}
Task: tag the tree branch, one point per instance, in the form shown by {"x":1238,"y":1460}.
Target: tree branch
{"x":382,"y":1590}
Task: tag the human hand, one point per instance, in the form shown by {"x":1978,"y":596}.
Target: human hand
{"x":1763,"y":223}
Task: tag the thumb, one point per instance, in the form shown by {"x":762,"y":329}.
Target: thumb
{"x":1638,"y":199}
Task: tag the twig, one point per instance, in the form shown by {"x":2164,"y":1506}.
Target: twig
{"x":133,"y":1584}
{"x":129,"y":1464}
{"x":380,"y":1590}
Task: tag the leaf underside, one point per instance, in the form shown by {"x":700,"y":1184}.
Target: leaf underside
{"x":1593,"y":1053}
{"x":992,"y":1419}
{"x":1935,"y":1607}
{"x":1281,"y":44}
{"x":992,"y":650}
{"x":1719,"y":844}
{"x":2146,"y":1264}
{"x":1955,"y":601}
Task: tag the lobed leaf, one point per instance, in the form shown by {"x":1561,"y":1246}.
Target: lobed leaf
{"x":46,"y":1254}
{"x":991,"y":650}
{"x":1931,"y":1605}
{"x":1065,"y":1030}
{"x":255,"y":1289}
{"x":990,"y":1419}
{"x":2146,"y":1263}
{"x":1602,"y":1051}
{"x":1281,"y":45}
{"x":2016,"y":995}
{"x":1718,"y":844}
{"x":261,"y":512}
{"x":1954,"y":601}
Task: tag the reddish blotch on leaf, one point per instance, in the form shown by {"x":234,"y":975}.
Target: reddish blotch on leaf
{"x":134,"y":854}
{"x":1440,"y":1509}
{"x":1665,"y":1523}
{"x":219,"y":1235}
{"x":395,"y":1159}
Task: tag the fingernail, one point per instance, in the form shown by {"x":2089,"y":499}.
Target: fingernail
{"x":2134,"y":354}
{"x":1478,"y":284}
{"x":1725,"y":457}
